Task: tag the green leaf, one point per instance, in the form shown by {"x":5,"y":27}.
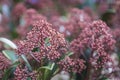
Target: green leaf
{"x":8,"y":42}
{"x":69,"y":54}
{"x":10,"y":55}
{"x":15,"y":64}
{"x":66,"y":55}
{"x":29,"y":78}
{"x":49,"y":67}
{"x":26,"y":61}
{"x":46,"y":70}
{"x":8,"y":73}
{"x":56,"y":71}
{"x":47,"y":41}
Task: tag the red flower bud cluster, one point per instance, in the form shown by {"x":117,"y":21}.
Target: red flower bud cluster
{"x":72,"y":65}
{"x":4,"y":62}
{"x":24,"y":74}
{"x":72,"y":26}
{"x":98,"y":39}
{"x":26,"y":21}
{"x":46,"y":40}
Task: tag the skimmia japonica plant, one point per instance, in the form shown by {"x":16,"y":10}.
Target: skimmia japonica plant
{"x":54,"y":40}
{"x":45,"y":52}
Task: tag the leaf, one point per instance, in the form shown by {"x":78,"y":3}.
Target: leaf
{"x":47,"y":40}
{"x":49,"y":67}
{"x":8,"y":42}
{"x":67,"y":55}
{"x":47,"y":43}
{"x":26,"y":61}
{"x":56,"y":71}
{"x":10,"y":55}
{"x":70,"y":53}
{"x":8,"y":73}
{"x":15,"y":64}
{"x":46,"y":70}
{"x":29,"y":78}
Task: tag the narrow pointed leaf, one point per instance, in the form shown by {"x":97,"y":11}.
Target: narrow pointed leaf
{"x":10,"y":55}
{"x":26,"y":61}
{"x":8,"y":42}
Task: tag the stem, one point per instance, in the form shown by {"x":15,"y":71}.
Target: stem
{"x":88,"y":72}
{"x":89,"y":68}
